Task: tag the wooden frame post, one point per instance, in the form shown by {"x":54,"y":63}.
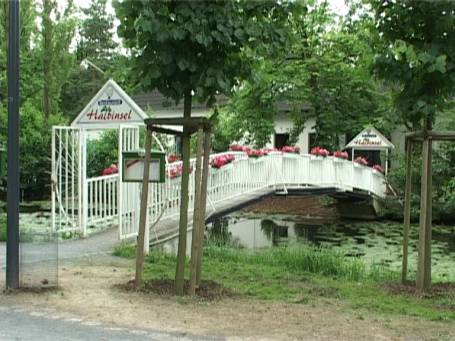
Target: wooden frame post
{"x":183,"y":222}
{"x":424,"y":261}
{"x":143,"y":212}
{"x":201,"y":220}
{"x":423,"y":280}
{"x":190,"y":126}
{"x":407,"y":210}
{"x":195,"y":242}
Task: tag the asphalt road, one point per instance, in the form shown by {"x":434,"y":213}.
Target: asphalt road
{"x":18,"y":323}
{"x":99,"y":243}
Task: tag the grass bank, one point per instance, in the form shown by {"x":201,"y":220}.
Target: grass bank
{"x":306,"y":275}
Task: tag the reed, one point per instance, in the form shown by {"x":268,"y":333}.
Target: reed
{"x":306,"y":258}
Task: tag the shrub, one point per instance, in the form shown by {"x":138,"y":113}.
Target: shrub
{"x":35,"y":150}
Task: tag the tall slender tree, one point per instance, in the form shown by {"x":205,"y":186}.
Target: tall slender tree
{"x":57,"y":33}
{"x":95,"y":42}
{"x":189,"y":49}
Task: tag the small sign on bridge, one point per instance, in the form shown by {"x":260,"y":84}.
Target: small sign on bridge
{"x":133,"y":166}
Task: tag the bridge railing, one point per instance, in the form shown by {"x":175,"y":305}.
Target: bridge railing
{"x":102,"y":198}
{"x":246,"y":175}
{"x":243,"y":175}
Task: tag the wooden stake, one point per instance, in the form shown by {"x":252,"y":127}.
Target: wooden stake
{"x":424,"y":261}
{"x":183,"y":223}
{"x":143,"y":212}
{"x":407,"y":211}
{"x":201,"y":220}
{"x":195,"y":242}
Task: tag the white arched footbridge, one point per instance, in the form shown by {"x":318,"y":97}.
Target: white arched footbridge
{"x":82,"y":204}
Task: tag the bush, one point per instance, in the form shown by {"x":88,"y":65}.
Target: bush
{"x":35,"y":149}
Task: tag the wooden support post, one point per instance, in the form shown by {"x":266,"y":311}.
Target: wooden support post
{"x":424,"y":261}
{"x":201,"y":220}
{"x":195,"y":242}
{"x":143,"y":212}
{"x":183,"y":223}
{"x":407,"y":210}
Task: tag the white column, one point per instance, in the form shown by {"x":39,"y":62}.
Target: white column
{"x":119,"y":182}
{"x":83,"y":169}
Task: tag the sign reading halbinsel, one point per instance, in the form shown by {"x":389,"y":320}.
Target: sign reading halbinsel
{"x":370,"y":138}
{"x":110,"y":106}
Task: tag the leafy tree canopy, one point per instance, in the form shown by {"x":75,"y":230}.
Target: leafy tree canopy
{"x":323,"y":73}
{"x":184,"y":46}
{"x":416,"y":53}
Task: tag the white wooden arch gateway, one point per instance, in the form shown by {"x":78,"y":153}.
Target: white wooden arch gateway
{"x":79,"y":202}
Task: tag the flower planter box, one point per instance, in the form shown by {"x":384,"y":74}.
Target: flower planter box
{"x":358,"y":165}
{"x":316,"y":158}
{"x":338,"y":160}
{"x":377,"y":173}
{"x":291,"y":155}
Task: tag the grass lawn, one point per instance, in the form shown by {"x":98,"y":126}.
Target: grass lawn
{"x":306,"y":275}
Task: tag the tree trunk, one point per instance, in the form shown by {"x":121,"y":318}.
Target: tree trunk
{"x":183,"y":223}
{"x":143,"y":212}
{"x":201,"y":220}
{"x":407,"y":211}
{"x":195,"y":242}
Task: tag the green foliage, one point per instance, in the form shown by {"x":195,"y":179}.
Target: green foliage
{"x":416,"y":53}
{"x":28,"y":65}
{"x":56,"y":38}
{"x":322,"y":72}
{"x":35,"y":141}
{"x":96,"y":33}
{"x":95,"y":43}
{"x":102,"y":152}
{"x":2,"y":227}
{"x":125,"y":251}
{"x":443,"y":177}
{"x":184,"y":46}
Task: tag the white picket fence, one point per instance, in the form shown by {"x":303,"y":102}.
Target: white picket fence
{"x":107,"y":205}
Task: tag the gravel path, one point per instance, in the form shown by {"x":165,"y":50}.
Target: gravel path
{"x":100,"y":243}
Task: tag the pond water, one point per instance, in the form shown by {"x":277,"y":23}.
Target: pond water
{"x":376,"y":242}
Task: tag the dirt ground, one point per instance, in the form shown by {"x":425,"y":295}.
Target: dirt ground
{"x":88,"y":291}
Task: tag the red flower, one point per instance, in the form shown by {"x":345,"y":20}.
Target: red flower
{"x":221,"y":160}
{"x":378,"y":168}
{"x":319,"y":151}
{"x":112,"y":169}
{"x":341,"y":155}
{"x":173,"y":158}
{"x":361,"y":160}
{"x":290,"y":149}
{"x":237,"y":148}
